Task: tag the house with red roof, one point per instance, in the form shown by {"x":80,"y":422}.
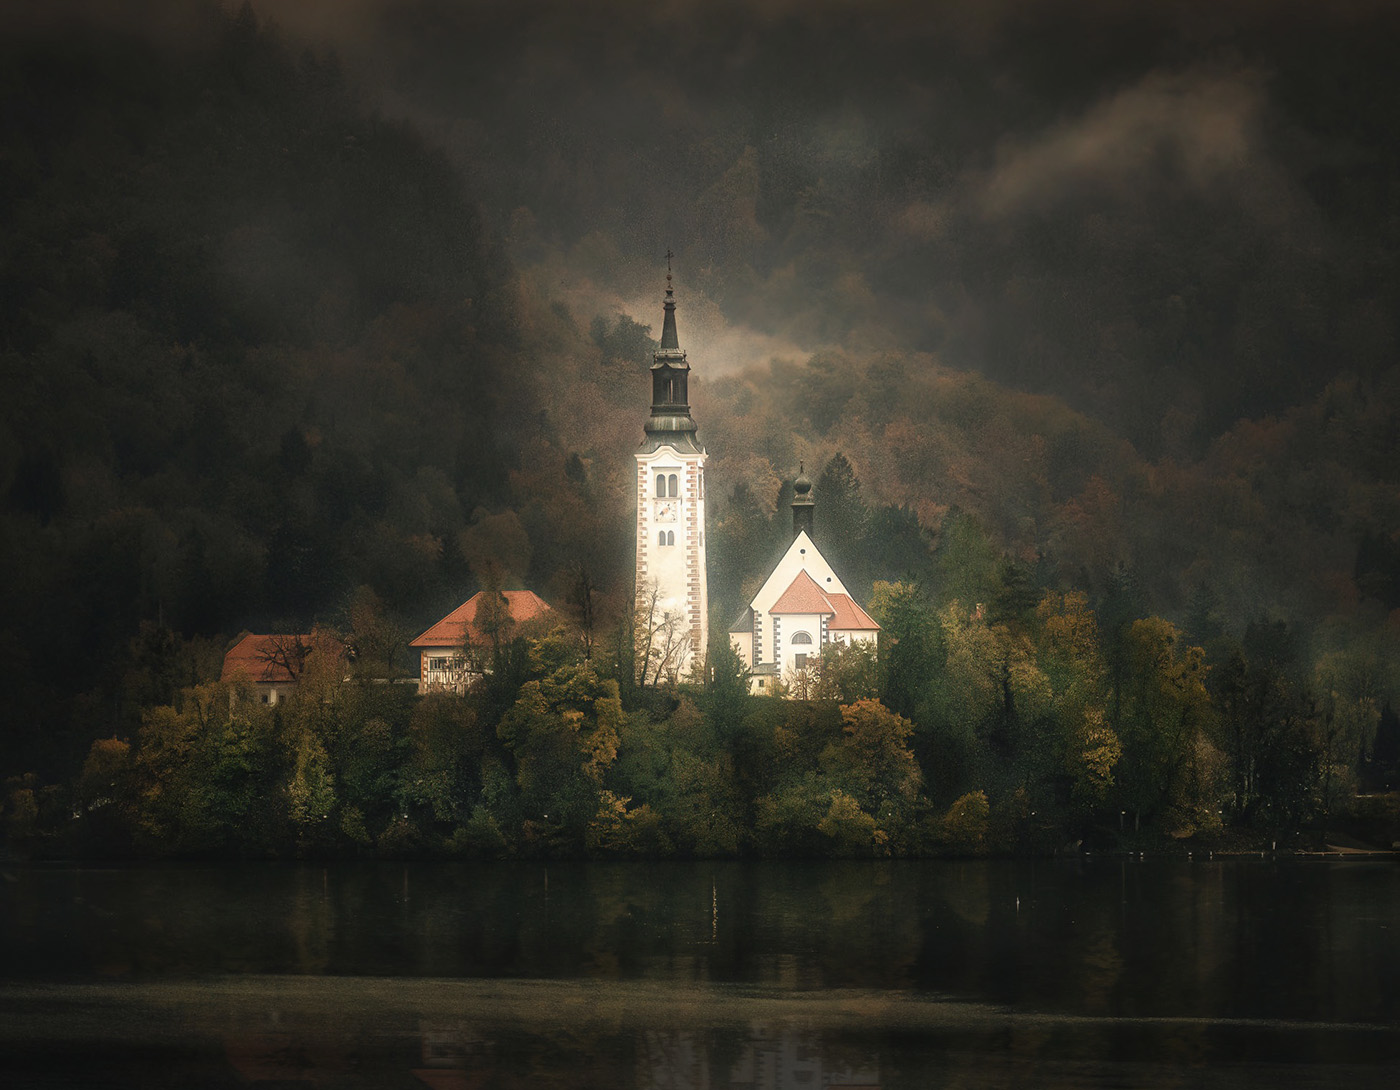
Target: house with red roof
{"x":274,"y":662}
{"x":801,"y":608}
{"x":456,"y":650}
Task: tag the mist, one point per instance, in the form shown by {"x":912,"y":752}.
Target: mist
{"x":308,"y":299}
{"x":1134,"y":208}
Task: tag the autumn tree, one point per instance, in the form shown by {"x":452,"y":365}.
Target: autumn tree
{"x":1165,"y":721}
{"x":1085,"y":744}
{"x":874,"y":760}
{"x":562,"y":734}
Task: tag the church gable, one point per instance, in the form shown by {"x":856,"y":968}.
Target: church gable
{"x":802,"y":556}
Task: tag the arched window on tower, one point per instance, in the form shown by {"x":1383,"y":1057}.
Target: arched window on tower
{"x":661,"y":537}
{"x":801,"y":638}
{"x":673,"y":484}
{"x":661,"y":484}
{"x":670,"y":537}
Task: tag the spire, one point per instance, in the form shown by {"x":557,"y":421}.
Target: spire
{"x":670,"y":421}
{"x":670,"y":342}
{"x":802,"y":503}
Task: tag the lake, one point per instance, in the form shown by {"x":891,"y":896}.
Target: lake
{"x":1058,"y":973}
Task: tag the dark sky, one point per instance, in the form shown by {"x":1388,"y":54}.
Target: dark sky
{"x":1119,"y":203}
{"x":1174,"y":215}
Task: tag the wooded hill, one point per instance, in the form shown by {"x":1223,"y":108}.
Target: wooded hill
{"x":266,"y":368}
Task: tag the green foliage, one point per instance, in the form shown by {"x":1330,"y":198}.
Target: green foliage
{"x":262,"y":359}
{"x":846,"y":673}
{"x":910,"y":645}
{"x":1017,"y":748}
{"x":964,"y":827}
{"x":873,"y":758}
{"x":1164,"y":724}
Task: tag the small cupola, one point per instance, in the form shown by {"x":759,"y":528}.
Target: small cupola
{"x":802,"y":503}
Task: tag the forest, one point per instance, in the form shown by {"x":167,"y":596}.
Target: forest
{"x":277,"y":357}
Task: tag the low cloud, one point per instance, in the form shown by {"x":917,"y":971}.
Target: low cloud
{"x":1188,"y":131}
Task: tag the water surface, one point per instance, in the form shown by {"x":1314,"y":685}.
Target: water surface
{"x":1052,"y":973}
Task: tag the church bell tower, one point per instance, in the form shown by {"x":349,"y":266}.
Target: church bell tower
{"x":672,"y":594}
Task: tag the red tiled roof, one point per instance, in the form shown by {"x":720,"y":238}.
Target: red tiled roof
{"x":459,"y":625}
{"x":849,"y":616}
{"x":265,"y":658}
{"x":802,"y":596}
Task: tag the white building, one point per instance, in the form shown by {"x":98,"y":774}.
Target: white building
{"x":801,"y":608}
{"x":672,"y":592}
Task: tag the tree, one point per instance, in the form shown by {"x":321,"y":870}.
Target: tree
{"x":493,"y":620}
{"x":1268,"y":728}
{"x":910,"y":645}
{"x":1164,"y":724}
{"x":662,"y":638}
{"x":966,"y":564}
{"x":840,"y":522}
{"x":726,"y":688}
{"x":874,"y":757}
{"x":286,"y":653}
{"x":563,"y":733}
{"x":1351,"y":686}
{"x":1087,"y":745}
{"x":964,"y":827}
{"x":444,"y":759}
{"x":375,"y":636}
{"x":582,"y":594}
{"x":846,"y":673}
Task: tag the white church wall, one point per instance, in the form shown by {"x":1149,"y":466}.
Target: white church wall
{"x":793,"y":625}
{"x":671,"y":540}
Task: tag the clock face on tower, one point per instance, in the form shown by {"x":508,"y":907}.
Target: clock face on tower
{"x":666,"y":511}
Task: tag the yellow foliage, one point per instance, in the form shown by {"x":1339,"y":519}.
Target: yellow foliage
{"x":964,"y":826}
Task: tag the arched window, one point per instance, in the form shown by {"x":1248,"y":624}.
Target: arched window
{"x":661,"y":537}
{"x":673,"y":484}
{"x":661,"y":484}
{"x":802,"y":637}
{"x":670,"y":537}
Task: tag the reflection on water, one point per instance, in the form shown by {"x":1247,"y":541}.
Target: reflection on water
{"x":703,"y":975}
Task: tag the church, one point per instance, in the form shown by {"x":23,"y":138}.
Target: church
{"x":801,"y":608}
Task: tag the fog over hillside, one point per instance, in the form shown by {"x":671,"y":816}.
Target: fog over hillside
{"x":314,"y":310}
{"x":1173,"y":215}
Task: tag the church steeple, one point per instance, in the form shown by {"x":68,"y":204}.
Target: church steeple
{"x":672,"y":587}
{"x":670,"y":422}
